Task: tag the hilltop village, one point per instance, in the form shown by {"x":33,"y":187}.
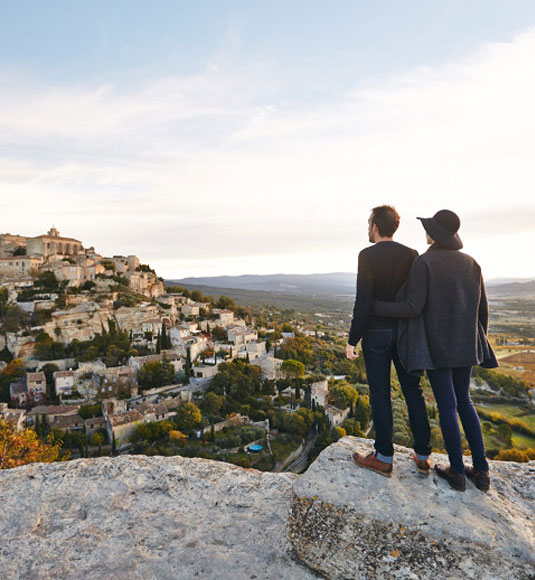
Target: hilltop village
{"x":98,"y":356}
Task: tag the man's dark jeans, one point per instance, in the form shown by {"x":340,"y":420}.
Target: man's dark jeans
{"x":380,"y":350}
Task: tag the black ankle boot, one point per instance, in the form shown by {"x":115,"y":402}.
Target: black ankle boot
{"x":481,"y":479}
{"x":456,"y":480}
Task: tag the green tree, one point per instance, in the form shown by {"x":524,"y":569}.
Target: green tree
{"x":188,"y":416}
{"x":219,"y":334}
{"x":165,"y":340}
{"x":187,"y":368}
{"x":14,"y":318}
{"x":362,"y":411}
{"x":293,"y":369}
{"x":156,"y":374}
{"x":196,"y":296}
{"x":294,"y":423}
{"x":343,"y":395}
{"x":5,"y":355}
{"x":49,"y":369}
{"x":225,"y":302}
{"x":211,"y":403}
{"x":97,"y":439}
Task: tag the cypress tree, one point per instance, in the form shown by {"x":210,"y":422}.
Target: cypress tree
{"x":165,"y":341}
{"x":188,"y":366}
{"x":113,"y":445}
{"x":44,"y":426}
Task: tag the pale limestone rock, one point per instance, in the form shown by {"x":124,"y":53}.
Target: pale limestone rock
{"x":349,"y":522}
{"x":141,"y":518}
{"x":163,"y":518}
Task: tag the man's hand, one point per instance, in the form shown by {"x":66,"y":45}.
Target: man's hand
{"x":351,"y":353}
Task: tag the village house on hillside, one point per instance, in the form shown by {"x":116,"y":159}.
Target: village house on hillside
{"x":319,"y":392}
{"x":122,"y":425}
{"x":270,"y":367}
{"x":16,"y":416}
{"x":63,"y":382}
{"x":51,"y":413}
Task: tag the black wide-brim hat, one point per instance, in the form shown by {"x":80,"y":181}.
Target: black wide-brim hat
{"x":443,"y":227}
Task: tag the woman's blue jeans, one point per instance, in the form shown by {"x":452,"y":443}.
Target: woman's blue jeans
{"x":451,"y":388}
{"x":379,"y":349}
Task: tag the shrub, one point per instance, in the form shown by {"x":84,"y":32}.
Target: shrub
{"x":513,"y":455}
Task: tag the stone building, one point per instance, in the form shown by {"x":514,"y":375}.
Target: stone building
{"x":125,"y":264}
{"x":52,"y":243}
{"x":18,"y":394}
{"x":154,"y":411}
{"x":63,"y":382}
{"x":19,"y":266}
{"x":75,"y":273}
{"x":336,"y":416}
{"x":225,"y":317}
{"x":9,"y":243}
{"x":36,"y":386}
{"x":240,"y":335}
{"x":319,"y":392}
{"x":204,"y":371}
{"x":122,"y":425}
{"x":16,"y":416}
{"x":145,"y":283}
{"x":69,"y":423}
{"x":269,"y":366}
{"x":93,"y":424}
{"x":52,"y":412}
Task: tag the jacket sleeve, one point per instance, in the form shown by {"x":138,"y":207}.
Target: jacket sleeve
{"x":363,"y":301}
{"x":483,"y":307}
{"x":413,"y":304}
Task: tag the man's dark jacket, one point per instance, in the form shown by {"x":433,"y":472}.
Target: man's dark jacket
{"x":447,"y":310}
{"x":382,"y":270}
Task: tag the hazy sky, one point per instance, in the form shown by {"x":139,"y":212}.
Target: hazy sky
{"x":232,"y":137}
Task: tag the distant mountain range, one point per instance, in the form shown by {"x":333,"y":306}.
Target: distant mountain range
{"x":512,"y":289}
{"x":311,"y":284}
{"x":334,"y":283}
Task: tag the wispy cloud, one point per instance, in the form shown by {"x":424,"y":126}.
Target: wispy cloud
{"x":220,"y":164}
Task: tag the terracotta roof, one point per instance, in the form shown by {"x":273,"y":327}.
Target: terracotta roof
{"x":157,"y":408}
{"x":68,"y":422}
{"x":334,"y":410}
{"x":63,"y":374}
{"x":36,"y":376}
{"x":55,"y":238}
{"x":240,"y":330}
{"x":53,"y":409}
{"x":124,"y":418}
{"x":12,"y":414}
{"x":95,"y":421}
{"x":17,"y":388}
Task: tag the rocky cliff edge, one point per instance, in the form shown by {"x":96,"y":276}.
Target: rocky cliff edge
{"x":160,"y":518}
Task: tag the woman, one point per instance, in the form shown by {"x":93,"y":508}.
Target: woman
{"x":446,"y":334}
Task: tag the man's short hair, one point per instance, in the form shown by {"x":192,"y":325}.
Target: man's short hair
{"x":386,"y":218}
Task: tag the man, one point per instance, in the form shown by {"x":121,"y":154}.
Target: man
{"x":382,"y":271}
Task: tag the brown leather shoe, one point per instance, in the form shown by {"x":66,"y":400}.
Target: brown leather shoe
{"x":371,"y":462}
{"x":481,"y":479}
{"x":456,"y":480}
{"x":422,"y":465}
